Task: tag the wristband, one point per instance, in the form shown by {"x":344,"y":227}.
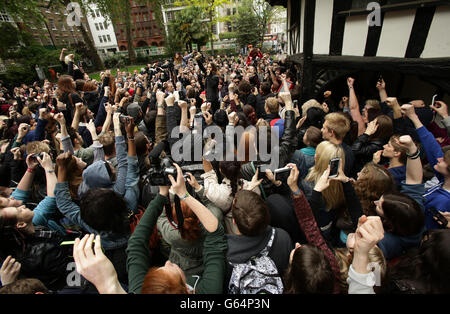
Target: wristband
{"x":415,"y":155}
{"x":298,"y":192}
{"x":30,"y":170}
{"x":185,"y":196}
{"x":50,"y":171}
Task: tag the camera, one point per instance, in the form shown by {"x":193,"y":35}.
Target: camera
{"x":124,"y":118}
{"x":35,"y":156}
{"x":158,"y":175}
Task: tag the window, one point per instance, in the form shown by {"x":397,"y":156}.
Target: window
{"x":234,"y":11}
{"x":101,"y":26}
{"x":153,"y":16}
{"x":52,"y":24}
{"x":228,"y":11}
{"x":109,"y":38}
{"x":101,"y":39}
{"x":105,"y":24}
{"x":229,"y":28}
{"x":96,"y":26}
{"x":97,"y":12}
{"x":63,"y":27}
{"x":4,"y":17}
{"x":104,"y":38}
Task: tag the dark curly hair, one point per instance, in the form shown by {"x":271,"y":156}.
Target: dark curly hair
{"x":105,"y":210}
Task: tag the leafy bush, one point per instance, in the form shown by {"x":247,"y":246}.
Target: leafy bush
{"x":116,"y":61}
{"x":18,"y":74}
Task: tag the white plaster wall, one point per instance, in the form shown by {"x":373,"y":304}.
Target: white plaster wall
{"x":322,"y":26}
{"x":355,"y":35}
{"x":395,"y":34}
{"x":438,"y":40}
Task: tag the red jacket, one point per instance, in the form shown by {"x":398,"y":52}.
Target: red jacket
{"x":253,"y":55}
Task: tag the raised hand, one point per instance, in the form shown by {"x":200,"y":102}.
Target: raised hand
{"x":46,"y":162}
{"x":372,"y":127}
{"x":377,"y":157}
{"x":93,"y":265}
{"x":350,"y":82}
{"x":9,"y":271}
{"x":178,"y":186}
{"x":441,"y":108}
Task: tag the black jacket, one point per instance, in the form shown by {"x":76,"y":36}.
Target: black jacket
{"x":286,"y":146}
{"x":260,"y":104}
{"x":241,"y":248}
{"x":40,"y":255}
{"x":363,"y":149}
{"x":211,"y":85}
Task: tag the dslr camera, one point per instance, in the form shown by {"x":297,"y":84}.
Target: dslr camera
{"x":159,"y":174}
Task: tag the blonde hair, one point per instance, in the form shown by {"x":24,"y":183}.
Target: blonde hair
{"x":338,"y":123}
{"x":309,"y":104}
{"x":37,"y":147}
{"x":373,"y":103}
{"x":334,"y":194}
{"x":272,"y":105}
{"x":345,"y":259}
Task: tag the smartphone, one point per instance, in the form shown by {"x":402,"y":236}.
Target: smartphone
{"x":282,"y":174}
{"x":433,"y":101}
{"x":443,"y":221}
{"x":334,"y":167}
{"x":261,"y":173}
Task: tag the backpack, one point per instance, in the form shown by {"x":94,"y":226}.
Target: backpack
{"x":259,"y":275}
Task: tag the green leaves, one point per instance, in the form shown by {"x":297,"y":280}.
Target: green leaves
{"x":189,"y":27}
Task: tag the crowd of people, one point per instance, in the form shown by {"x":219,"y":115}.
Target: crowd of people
{"x":89,"y":178}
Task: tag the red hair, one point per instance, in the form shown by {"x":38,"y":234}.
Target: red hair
{"x":191,"y":225}
{"x":158,"y":281}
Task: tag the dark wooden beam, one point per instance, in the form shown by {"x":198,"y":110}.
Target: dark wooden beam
{"x":419,"y":32}
{"x":430,"y":67}
{"x":308,"y":46}
{"x":397,"y":7}
{"x":338,"y":26}
{"x":374,"y":35}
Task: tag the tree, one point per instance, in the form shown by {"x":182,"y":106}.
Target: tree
{"x":119,"y":11}
{"x":209,"y":10}
{"x":188,"y":28}
{"x":247,"y":26}
{"x":252,"y":21}
{"x":29,"y":11}
{"x":92,"y":52}
{"x":24,"y":10}
{"x":12,"y":38}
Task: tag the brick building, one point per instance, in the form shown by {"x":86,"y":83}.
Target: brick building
{"x":145,"y":30}
{"x":55,"y":31}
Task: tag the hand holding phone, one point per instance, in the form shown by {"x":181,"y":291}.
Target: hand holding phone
{"x":334,"y":167}
{"x":282,"y":174}
{"x":441,"y":220}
